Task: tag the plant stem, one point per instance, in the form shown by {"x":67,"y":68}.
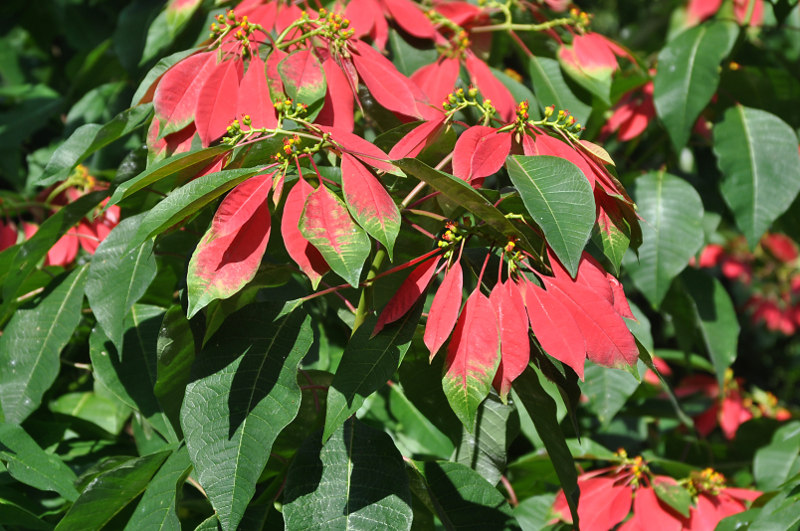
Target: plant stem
{"x":365,"y":301}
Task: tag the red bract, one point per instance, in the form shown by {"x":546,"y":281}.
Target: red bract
{"x":362,"y":149}
{"x":479,"y":152}
{"x":631,"y":115}
{"x":604,"y":502}
{"x":176,"y":95}
{"x":217,"y":101}
{"x":444,"y":309}
{"x":305,"y":255}
{"x":514,"y":343}
{"x":253,"y":98}
{"x":389,"y":87}
{"x":472,"y":358}
{"x":230,"y":252}
{"x":491,"y":88}
{"x":699,"y":10}
{"x":437,"y":79}
{"x":417,"y":139}
{"x":780,"y":246}
{"x":337,"y":111}
{"x":409,"y":293}
{"x":8,"y":235}
{"x":592,"y":54}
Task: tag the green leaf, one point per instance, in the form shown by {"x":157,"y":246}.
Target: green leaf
{"x":354,"y":481}
{"x":175,"y":352}
{"x":552,"y":89}
{"x":467,"y":197}
{"x":101,"y":410}
{"x":157,"y":508}
{"x":713,"y":315}
{"x":187,"y":200}
{"x":366,"y":365}
{"x":688,"y":75}
{"x":18,"y":517}
{"x":32,"y":341}
{"x":484,"y":449}
{"x":415,"y":431}
{"x":32,"y":251}
{"x":181,"y":166}
{"x":607,"y":390}
{"x":244,"y":392}
{"x":89,"y":138}
{"x":780,"y":512}
{"x":533,"y":513}
{"x":542,"y":409}
{"x":118,"y":277}
{"x":407,"y":58}
{"x":757,"y":154}
{"x":29,"y":464}
{"x":780,"y":459}
{"x":130,"y":374}
{"x":462,"y":499}
{"x":675,"y":496}
{"x":560,"y":200}
{"x":672,"y":232}
{"x":110,"y":492}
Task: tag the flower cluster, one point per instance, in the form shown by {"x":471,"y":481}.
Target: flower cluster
{"x":87,"y":234}
{"x":610,"y":495}
{"x":770,"y":274}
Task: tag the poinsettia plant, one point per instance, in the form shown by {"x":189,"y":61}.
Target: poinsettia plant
{"x":382,"y":263}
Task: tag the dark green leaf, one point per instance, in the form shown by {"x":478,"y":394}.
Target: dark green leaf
{"x":780,"y":459}
{"x":180,"y":166}
{"x":533,"y":513}
{"x":484,"y":449}
{"x":356,"y":481}
{"x":462,"y":499}
{"x":31,"y":465}
{"x":118,"y":277}
{"x":560,"y":200}
{"x":415,"y":431}
{"x":466,"y":196}
{"x":89,"y":138}
{"x":110,"y":492}
{"x":542,"y":410}
{"x":688,"y":75}
{"x":672,"y":232}
{"x":157,"y":508}
{"x":367,"y":363}
{"x":714,"y":317}
{"x":244,"y":392}
{"x":187,"y":200}
{"x":607,"y":390}
{"x":18,"y":517}
{"x":175,"y":354}
{"x":757,"y":154}
{"x":676,"y":496}
{"x":32,"y":341}
{"x":552,"y":89}
{"x":130,"y":375}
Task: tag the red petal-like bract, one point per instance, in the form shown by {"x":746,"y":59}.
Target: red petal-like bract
{"x":554,"y":328}
{"x":369,"y":202}
{"x":302,"y":70}
{"x":307,"y":257}
{"x":472,"y":358}
{"x":479,"y":152}
{"x":491,"y":88}
{"x":64,"y":251}
{"x":337,"y":110}
{"x":417,"y":139}
{"x":514,"y":344}
{"x":444,"y":309}
{"x":603,"y":504}
{"x":217,"y":102}
{"x":366,"y":18}
{"x":462,"y":13}
{"x":230,"y":252}
{"x":388,"y":86}
{"x":592,"y":275}
{"x":437,"y":80}
{"x":409,"y":17}
{"x":650,"y":513}
{"x":274,"y":82}
{"x":175,"y":98}
{"x":254,"y":99}
{"x":608,"y":340}
{"x":409,"y":293}
{"x":241,"y":204}
{"x":362,"y":149}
